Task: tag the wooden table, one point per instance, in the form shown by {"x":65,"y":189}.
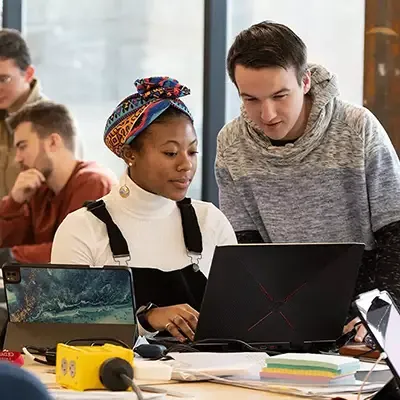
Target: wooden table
{"x":201,"y":391}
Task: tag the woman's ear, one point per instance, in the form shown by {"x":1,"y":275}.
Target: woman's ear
{"x":128,"y":155}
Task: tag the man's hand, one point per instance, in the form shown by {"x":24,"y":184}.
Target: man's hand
{"x":180,"y":320}
{"x":360,"y":329}
{"x":26,"y":185}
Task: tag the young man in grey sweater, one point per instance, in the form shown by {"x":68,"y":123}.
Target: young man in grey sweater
{"x":301,"y":165}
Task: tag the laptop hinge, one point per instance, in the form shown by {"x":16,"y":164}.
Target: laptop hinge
{"x":298,"y":346}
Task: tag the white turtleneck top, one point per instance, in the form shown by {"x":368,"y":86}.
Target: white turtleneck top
{"x":150,"y":224}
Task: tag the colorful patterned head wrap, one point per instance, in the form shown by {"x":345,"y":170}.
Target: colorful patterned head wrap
{"x":136,"y":112}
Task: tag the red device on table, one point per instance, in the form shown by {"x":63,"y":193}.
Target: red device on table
{"x":12,"y":356}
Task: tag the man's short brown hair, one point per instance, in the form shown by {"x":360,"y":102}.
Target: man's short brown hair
{"x":268,"y":44}
{"x":46,"y":118}
{"x":14,"y":47}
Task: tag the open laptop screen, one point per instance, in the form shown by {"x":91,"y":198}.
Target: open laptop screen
{"x":52,"y":303}
{"x":381,"y":317}
{"x":65,"y":294}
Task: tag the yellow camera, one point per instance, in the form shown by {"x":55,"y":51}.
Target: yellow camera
{"x":79,"y":367}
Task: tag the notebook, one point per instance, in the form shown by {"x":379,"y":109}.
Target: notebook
{"x":310,"y":369}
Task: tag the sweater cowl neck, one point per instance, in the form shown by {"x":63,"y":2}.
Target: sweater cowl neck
{"x":323,"y":92}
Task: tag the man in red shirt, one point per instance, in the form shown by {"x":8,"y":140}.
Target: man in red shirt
{"x":52,"y":182}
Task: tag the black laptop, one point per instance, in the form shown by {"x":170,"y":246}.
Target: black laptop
{"x":280,"y":297}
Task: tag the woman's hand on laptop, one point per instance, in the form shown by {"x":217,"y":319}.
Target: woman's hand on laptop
{"x":180,"y":320}
{"x":356,"y":324}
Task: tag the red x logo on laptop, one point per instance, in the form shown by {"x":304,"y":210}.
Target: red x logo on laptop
{"x":276,"y":304}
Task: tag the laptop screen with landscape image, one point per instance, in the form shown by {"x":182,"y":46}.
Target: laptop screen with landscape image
{"x":62,"y":298}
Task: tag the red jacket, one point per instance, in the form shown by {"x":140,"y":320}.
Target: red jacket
{"x":29,"y":228}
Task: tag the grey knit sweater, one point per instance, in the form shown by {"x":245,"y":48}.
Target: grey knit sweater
{"x":338,"y":182}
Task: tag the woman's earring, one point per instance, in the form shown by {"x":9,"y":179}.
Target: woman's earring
{"x":124,"y":191}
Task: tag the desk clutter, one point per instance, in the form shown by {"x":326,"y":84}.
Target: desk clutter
{"x":248,"y":370}
{"x":228,"y":358}
{"x":80,"y":373}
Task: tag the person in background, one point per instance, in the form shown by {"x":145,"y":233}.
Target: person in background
{"x":18,"y":86}
{"x":51,"y":182}
{"x":152,"y":131}
{"x":301,"y":165}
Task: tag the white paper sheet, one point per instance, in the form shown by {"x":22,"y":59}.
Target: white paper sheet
{"x":189,"y":366}
{"x":60,"y":394}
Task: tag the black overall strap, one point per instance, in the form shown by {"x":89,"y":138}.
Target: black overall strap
{"x":190,"y":225}
{"x":118,"y":244}
{"x":119,"y":247}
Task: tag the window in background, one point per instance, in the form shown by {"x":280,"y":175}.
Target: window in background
{"x":88,"y":53}
{"x":333,"y":34}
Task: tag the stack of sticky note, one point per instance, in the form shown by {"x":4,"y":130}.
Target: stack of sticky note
{"x":310,"y":369}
